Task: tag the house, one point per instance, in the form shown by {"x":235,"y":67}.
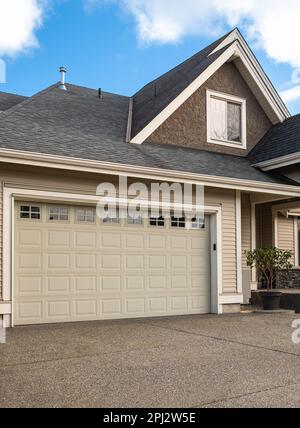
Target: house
{"x":216,"y":121}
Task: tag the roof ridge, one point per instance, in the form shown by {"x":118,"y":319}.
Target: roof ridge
{"x":27,"y":100}
{"x":210,"y":46}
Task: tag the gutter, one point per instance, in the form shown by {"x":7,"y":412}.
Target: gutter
{"x":279,"y":162}
{"x":99,"y":167}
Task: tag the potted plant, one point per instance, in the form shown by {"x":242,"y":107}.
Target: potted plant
{"x":268,"y":263}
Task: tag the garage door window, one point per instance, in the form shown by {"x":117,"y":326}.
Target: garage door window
{"x":58,"y":214}
{"x":178,"y":222}
{"x":112,"y":220}
{"x":85,"y":215}
{"x":30,"y":212}
{"x":197,"y":223}
{"x":157,"y":221}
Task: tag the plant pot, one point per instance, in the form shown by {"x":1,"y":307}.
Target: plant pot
{"x":270,"y":300}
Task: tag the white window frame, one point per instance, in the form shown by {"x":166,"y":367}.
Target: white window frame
{"x":59,"y":214}
{"x":229,"y":98}
{"x":86,"y":217}
{"x":30,"y":212}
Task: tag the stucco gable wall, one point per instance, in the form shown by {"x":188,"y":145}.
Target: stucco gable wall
{"x":187,"y":126}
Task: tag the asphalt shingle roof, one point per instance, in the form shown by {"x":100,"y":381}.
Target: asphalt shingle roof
{"x":9,"y":100}
{"x":154,"y":97}
{"x":77,"y":123}
{"x":282,"y":139}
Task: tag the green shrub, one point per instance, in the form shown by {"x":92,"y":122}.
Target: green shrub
{"x":268,"y":262}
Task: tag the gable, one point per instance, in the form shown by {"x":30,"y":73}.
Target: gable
{"x":187,"y":125}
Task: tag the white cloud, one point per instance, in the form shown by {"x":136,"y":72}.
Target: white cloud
{"x":271,"y":25}
{"x":19,"y":20}
{"x":290,"y":95}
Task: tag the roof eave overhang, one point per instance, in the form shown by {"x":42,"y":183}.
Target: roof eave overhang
{"x":99,"y":167}
{"x":238,"y":49}
{"x":279,"y":162}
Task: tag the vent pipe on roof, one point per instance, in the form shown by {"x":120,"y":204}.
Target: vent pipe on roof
{"x":62,"y":71}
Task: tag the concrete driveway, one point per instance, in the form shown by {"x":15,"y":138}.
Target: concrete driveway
{"x":191,"y":361}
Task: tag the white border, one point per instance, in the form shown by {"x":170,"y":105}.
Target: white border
{"x":226,"y":97}
{"x":9,"y":195}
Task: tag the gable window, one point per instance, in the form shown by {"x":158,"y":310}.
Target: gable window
{"x":85,"y":215}
{"x":226,"y":120}
{"x":30,"y":212}
{"x":58,"y":214}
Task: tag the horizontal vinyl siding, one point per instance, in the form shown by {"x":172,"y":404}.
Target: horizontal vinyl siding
{"x":286,"y":233}
{"x":227,"y":199}
{"x":246,"y":227}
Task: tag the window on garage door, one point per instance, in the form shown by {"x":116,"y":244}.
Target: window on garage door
{"x":30,"y":212}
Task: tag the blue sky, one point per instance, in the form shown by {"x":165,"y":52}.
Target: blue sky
{"x":121,"y":45}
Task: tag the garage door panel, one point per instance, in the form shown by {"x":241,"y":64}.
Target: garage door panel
{"x":111,"y":283}
{"x":179,"y":303}
{"x":86,"y":284}
{"x":58,"y":261}
{"x":29,"y":312}
{"x":157,"y":242}
{"x":67,"y":271}
{"x":158,"y":305}
{"x":134,"y":261}
{"x":58,"y":309}
{"x":111,"y":261}
{"x":134,"y":241}
{"x":85,"y":308}
{"x":179,"y":281}
{"x":179,"y":243}
{"x":29,"y":261}
{"x":111,"y":240}
{"x":157,"y":262}
{"x":178,"y":262}
{"x":158,"y":282}
{"x":135,"y":305}
{"x":58,"y":284}
{"x":85,"y":240}
{"x":58,"y":238}
{"x":111,"y":307}
{"x":29,"y":285}
{"x":136,"y":282}
{"x":29,"y":238}
{"x":85,"y":261}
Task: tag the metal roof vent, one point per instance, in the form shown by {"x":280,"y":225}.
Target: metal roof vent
{"x":62,"y":71}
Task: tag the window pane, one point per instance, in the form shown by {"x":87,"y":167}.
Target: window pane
{"x":218,"y":119}
{"x":234,"y":122}
{"x":80,"y":215}
{"x":35,"y":216}
{"x":24,"y":215}
{"x":25,"y":208}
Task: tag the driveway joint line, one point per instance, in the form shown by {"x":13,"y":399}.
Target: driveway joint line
{"x":236,"y":342}
{"x":274,"y":388}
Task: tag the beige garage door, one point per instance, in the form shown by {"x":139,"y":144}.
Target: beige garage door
{"x":70,"y":266}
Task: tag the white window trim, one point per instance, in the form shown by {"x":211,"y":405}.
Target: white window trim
{"x":230,"y":98}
